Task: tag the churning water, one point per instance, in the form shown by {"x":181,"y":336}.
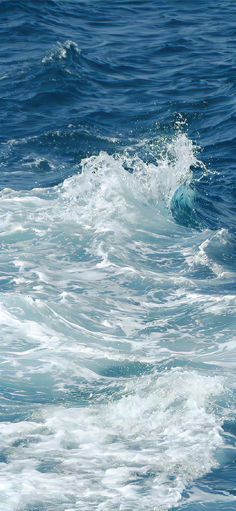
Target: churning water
{"x":117,"y":260}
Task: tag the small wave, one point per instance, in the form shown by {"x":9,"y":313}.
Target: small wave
{"x":216,"y":253}
{"x":62,"y":52}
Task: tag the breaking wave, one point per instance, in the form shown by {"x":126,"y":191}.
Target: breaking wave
{"x":101,"y":280}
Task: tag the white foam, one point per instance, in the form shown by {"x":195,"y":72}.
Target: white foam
{"x":61,"y":52}
{"x":204,"y":253}
{"x":97,"y":295}
{"x":141,"y":450}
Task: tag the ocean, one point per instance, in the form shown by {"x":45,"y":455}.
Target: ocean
{"x":117,"y":255}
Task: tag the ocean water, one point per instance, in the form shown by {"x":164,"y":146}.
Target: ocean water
{"x":117,"y":260}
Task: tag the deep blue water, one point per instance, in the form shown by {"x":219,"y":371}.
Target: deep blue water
{"x":117,"y":260}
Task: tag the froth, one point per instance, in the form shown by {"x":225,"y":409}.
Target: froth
{"x":141,"y":449}
{"x":97,"y":307}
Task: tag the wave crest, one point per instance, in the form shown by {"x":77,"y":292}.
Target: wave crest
{"x":66,"y":51}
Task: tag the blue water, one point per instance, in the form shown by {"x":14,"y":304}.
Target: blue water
{"x":117,"y":260}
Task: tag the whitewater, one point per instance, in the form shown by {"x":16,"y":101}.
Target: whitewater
{"x":117,"y":255}
{"x":109,"y":341}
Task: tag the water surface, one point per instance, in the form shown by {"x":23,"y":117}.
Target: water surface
{"x":117,"y":260}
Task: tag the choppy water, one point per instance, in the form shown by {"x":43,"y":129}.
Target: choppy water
{"x":117,"y":260}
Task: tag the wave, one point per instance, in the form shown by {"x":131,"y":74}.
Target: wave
{"x":98,"y":282}
{"x":113,"y":194}
{"x":66,"y":51}
{"x":117,"y":260}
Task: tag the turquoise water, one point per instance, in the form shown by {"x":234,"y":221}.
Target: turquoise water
{"x":117,"y":260}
